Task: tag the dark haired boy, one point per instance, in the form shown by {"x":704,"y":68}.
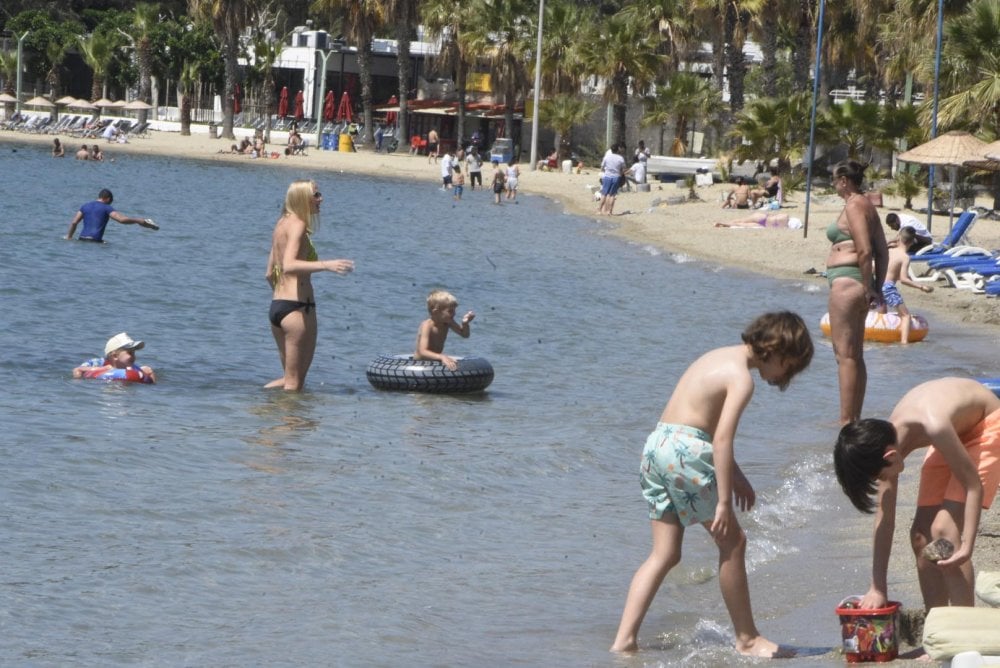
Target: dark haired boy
{"x":958,"y":420}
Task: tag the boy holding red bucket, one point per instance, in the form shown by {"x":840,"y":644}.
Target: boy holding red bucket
{"x":958,"y":421}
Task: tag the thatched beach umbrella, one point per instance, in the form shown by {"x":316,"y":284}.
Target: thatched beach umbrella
{"x":5,"y":100}
{"x":953,"y":150}
{"x":990,"y":161}
{"x":82,"y":104}
{"x":138,"y":105}
{"x":39,"y":101}
{"x":66,"y":100}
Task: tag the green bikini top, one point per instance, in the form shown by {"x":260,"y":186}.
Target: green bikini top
{"x":835,"y":235}
{"x":311,"y":256}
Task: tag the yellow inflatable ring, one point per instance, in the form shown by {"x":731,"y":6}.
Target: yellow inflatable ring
{"x":884,"y":327}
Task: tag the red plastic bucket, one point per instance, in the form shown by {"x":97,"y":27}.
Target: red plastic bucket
{"x":869,"y":635}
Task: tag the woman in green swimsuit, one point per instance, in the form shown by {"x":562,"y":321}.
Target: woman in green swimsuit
{"x":855,"y":269}
{"x":290,"y":265}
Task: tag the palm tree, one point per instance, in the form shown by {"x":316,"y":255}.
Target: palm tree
{"x":228,"y":19}
{"x":55,"y":53}
{"x":402,"y":14}
{"x":503,"y":40}
{"x":185,"y":84}
{"x":562,"y":63}
{"x":361,"y":20}
{"x":685,"y":97}
{"x":145,"y":17}
{"x":731,"y":20}
{"x":561,"y":113}
{"x":8,"y":70}
{"x":626,"y":56}
{"x":672,"y":20}
{"x":97,"y":50}
{"x":971,"y":69}
{"x":855,"y":125}
{"x":771,"y":129}
{"x":446,"y":19}
{"x":266,"y":52}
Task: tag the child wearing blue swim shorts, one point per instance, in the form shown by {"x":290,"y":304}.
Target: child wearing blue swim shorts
{"x":898,"y":273}
{"x":689,"y":475}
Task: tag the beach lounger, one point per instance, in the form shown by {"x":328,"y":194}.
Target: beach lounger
{"x":139,"y":130}
{"x":958,"y":234}
{"x":962,"y":281}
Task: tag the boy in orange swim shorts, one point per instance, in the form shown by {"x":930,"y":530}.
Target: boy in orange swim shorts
{"x":958,"y":420}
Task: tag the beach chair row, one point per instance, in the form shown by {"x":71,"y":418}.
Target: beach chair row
{"x":957,"y":262}
{"x":75,"y":126}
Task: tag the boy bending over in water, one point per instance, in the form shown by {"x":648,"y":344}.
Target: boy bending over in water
{"x":958,"y":421}
{"x":898,"y":273}
{"x":432,"y":333}
{"x":688,"y":472}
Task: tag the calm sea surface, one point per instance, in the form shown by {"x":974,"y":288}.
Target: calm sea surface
{"x":204,"y":521}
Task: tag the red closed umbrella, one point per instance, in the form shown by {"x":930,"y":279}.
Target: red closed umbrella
{"x":283,"y":102}
{"x":328,"y":107}
{"x":236,"y":99}
{"x":390,"y":117}
{"x":344,"y":110}
{"x":299,"y":111}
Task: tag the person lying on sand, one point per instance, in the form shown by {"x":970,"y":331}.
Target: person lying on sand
{"x":760,"y":219}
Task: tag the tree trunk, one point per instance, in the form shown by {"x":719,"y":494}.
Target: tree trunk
{"x":185,"y":103}
{"x":268,"y":102}
{"x":736,"y":64}
{"x":719,"y":59}
{"x":460,"y":81}
{"x":802,"y":54}
{"x":143,"y":56}
{"x":232,"y":72}
{"x":403,"y":67}
{"x":365,"y":75}
{"x":769,"y":46}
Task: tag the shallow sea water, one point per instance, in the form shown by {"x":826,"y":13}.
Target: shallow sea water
{"x":205,"y":521}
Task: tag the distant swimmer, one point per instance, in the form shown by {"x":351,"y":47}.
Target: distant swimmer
{"x":95,"y":216}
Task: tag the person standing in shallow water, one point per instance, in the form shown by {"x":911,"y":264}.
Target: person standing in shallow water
{"x":290,"y":265}
{"x":689,"y":473}
{"x":855,"y":269}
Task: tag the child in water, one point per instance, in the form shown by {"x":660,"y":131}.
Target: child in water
{"x":898,"y":273}
{"x":118,"y":362}
{"x":457,"y":183}
{"x":434,"y":330}
{"x":689,"y":474}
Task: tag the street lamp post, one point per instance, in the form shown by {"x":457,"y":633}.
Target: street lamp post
{"x":324,"y":55}
{"x":20,"y":41}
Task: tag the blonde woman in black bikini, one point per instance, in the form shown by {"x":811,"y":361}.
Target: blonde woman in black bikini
{"x":856,"y":269}
{"x":290,"y":265}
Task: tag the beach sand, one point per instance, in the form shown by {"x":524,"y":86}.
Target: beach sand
{"x":686,"y":228}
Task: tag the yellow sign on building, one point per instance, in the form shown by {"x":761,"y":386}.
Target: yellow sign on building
{"x":479,"y":82}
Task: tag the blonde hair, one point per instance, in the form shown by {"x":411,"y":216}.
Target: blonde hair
{"x":299,"y":202}
{"x":440,"y":299}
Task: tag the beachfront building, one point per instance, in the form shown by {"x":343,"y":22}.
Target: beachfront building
{"x":434,"y":104}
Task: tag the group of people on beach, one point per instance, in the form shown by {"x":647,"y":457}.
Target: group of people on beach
{"x":689,"y":474}
{"x":688,"y":470}
{"x":504,"y":180}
